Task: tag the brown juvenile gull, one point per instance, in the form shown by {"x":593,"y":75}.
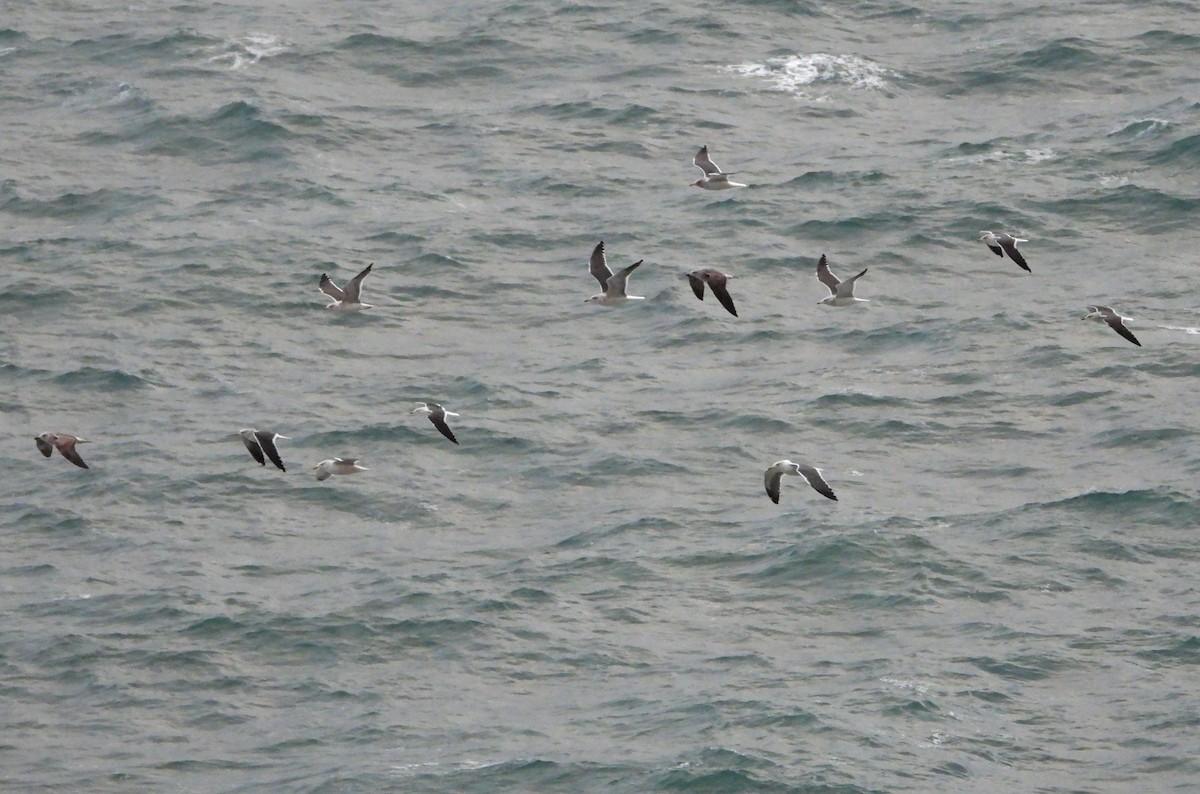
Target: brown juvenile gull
{"x":773,"y":476}
{"x":437,"y":415}
{"x":714,"y":178}
{"x":348,"y":298}
{"x":841,"y":293}
{"x":715,"y":280}
{"x":64,"y":443}
{"x":337,"y":466}
{"x":613,"y":283}
{"x":1106,"y":314}
{"x":1004,"y":243}
{"x":261,"y":442}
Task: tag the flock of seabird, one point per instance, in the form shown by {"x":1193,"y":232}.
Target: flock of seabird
{"x":261,"y":443}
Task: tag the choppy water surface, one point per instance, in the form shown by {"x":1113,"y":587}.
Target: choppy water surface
{"x":592,"y":592}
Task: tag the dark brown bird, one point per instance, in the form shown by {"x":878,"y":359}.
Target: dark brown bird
{"x":715,"y":280}
{"x":64,"y":443}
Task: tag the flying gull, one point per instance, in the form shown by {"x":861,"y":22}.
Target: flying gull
{"x":337,"y":466}
{"x":437,"y":415}
{"x":715,"y":280}
{"x":262,"y":442}
{"x":714,"y":178}
{"x":1004,"y":243}
{"x":773,"y":476}
{"x":64,"y":443}
{"x":1105,"y":314}
{"x":348,"y":298}
{"x":841,"y":293}
{"x":612,"y":283}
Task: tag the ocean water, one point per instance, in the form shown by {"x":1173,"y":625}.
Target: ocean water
{"x":592,"y":593}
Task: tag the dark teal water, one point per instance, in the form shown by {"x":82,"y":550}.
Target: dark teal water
{"x":592,"y":593}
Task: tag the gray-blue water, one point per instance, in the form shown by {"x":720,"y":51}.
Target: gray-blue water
{"x":592,"y":593}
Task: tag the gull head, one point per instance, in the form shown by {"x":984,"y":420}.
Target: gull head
{"x":421,"y":409}
{"x":699,"y":182}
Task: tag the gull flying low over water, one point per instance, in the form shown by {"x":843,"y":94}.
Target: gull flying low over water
{"x":773,"y":476}
{"x":1004,"y":243}
{"x":337,"y":466}
{"x":260,"y":443}
{"x":437,"y":415}
{"x":841,"y":293}
{"x":613,"y":283}
{"x":64,"y":443}
{"x":714,"y":178}
{"x":715,"y":280}
{"x":1106,"y":314}
{"x":348,"y":298}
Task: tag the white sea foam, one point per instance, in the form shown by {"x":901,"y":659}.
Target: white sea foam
{"x":794,"y":73}
{"x":250,"y":49}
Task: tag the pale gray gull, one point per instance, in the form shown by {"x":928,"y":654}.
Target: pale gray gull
{"x":714,"y":178}
{"x":348,"y":298}
{"x":614,"y":284}
{"x":841,"y":293}
{"x":337,"y":466}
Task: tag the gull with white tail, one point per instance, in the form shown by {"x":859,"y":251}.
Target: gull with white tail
{"x":437,"y":415}
{"x":613,"y":284}
{"x":714,"y":178}
{"x":1004,"y":243}
{"x":841,"y":293}
{"x":261,"y":443}
{"x":348,"y":298}
{"x":337,"y":466}
{"x":64,"y":443}
{"x":1106,"y":314}
{"x":715,"y":280}
{"x":774,"y":475}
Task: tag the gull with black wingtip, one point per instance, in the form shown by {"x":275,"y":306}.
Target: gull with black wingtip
{"x":1106,"y":314}
{"x":437,"y":415}
{"x":614,"y":284}
{"x":347,"y":299}
{"x":841,"y":293}
{"x":773,"y":477}
{"x":1004,"y":243}
{"x":260,"y":443}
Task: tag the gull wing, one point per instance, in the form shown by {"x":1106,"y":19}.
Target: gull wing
{"x":255,"y":448}
{"x":771,"y":479}
{"x":697,"y":282}
{"x":66,"y":445}
{"x":598,"y":267}
{"x":354,"y":286}
{"x":1116,"y":322}
{"x":329,"y":288}
{"x":267,"y":441}
{"x":1009,"y":245}
{"x":44,"y":446}
{"x":705,"y":163}
{"x":845,"y":289}
{"x":616,"y":282}
{"x":716,"y":282}
{"x":815,"y":479}
{"x":439,"y":421}
{"x":825,"y":275}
